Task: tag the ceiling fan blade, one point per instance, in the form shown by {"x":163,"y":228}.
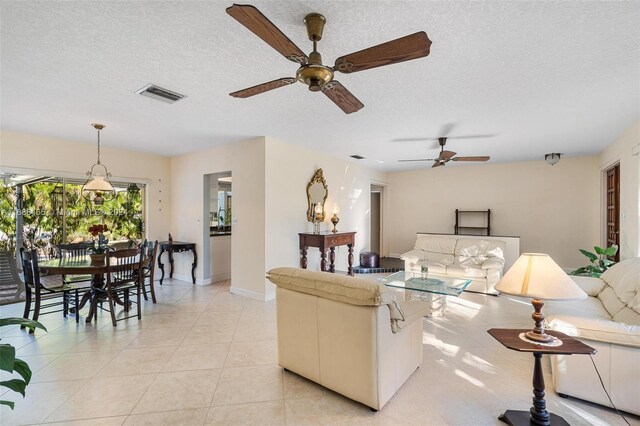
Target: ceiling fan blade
{"x":419,"y":159}
{"x":406,"y":48}
{"x":447,"y":154}
{"x":342,"y":97}
{"x":437,"y":164}
{"x":264,"y":87}
{"x":487,"y":158}
{"x":261,"y":26}
{"x":471,"y":136}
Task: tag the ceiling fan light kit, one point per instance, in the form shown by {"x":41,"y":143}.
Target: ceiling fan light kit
{"x":312,"y":72}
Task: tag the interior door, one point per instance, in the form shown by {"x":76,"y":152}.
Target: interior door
{"x":613,"y":208}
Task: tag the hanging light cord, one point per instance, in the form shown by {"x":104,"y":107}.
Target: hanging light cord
{"x":99,"y":146}
{"x":605,"y":391}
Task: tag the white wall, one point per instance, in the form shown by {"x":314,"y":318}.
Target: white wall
{"x":29,"y":154}
{"x":625,"y":150}
{"x":246,"y":161}
{"x":554,"y":209}
{"x":289,"y":168}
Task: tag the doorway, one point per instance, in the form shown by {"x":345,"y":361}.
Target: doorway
{"x":218,"y":196}
{"x":375,"y":211}
{"x":612,"y":224}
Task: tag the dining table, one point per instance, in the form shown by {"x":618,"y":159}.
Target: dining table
{"x":78,"y":266}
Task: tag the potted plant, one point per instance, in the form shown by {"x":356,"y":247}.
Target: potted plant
{"x":100,"y":246}
{"x":599,"y":261}
{"x":11,"y":364}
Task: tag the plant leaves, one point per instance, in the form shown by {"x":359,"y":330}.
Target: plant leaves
{"x":16,"y":385}
{"x":599,"y":250}
{"x":22,"y":321}
{"x":7,"y":357}
{"x":592,"y":257}
{"x":607,"y":262}
{"x":22,"y":368}
{"x":580,"y":271}
{"x":8,"y":403}
{"x":611,"y":251}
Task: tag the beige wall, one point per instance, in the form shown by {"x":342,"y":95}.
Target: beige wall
{"x":31,"y":154}
{"x":246,"y":161}
{"x":288,"y":170}
{"x":554,"y":209}
{"x":625,"y":150}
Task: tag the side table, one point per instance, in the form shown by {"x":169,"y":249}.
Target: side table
{"x":177,"y":247}
{"x":324,"y":241}
{"x":537,"y":414}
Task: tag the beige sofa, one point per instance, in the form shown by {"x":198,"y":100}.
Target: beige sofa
{"x":481,"y":261}
{"x":609,"y":321}
{"x":347,"y":334}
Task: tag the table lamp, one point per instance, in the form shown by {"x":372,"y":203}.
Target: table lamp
{"x":537,"y":276}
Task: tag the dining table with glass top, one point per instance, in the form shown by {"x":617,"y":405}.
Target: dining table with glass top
{"x":78,"y":266}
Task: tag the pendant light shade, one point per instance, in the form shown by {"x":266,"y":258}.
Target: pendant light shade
{"x":98,"y":187}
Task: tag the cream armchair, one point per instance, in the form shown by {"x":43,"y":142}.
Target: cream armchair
{"x":347,"y":334}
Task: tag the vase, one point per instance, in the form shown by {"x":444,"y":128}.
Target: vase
{"x":97,"y":258}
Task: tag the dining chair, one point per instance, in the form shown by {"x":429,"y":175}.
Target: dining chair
{"x":44,"y":296}
{"x":124,"y":275}
{"x":150,"y":251}
{"x":12,"y":288}
{"x":75,"y":251}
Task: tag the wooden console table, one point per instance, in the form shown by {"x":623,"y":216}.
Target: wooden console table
{"x":177,"y":247}
{"x":324,"y":241}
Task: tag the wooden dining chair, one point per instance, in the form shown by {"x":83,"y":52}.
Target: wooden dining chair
{"x":123,"y":277}
{"x":75,"y":251}
{"x":150,"y":251}
{"x":45,"y":296}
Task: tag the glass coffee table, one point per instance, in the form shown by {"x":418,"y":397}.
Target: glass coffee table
{"x":430,"y":288}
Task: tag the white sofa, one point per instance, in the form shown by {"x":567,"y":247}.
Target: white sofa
{"x":347,"y":334}
{"x":455,"y":256}
{"x":609,"y":321}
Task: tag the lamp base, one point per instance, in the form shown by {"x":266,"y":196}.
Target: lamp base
{"x":537,"y":335}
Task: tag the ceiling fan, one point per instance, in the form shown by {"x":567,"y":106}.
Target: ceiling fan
{"x":446,"y":156}
{"x":312,"y":71}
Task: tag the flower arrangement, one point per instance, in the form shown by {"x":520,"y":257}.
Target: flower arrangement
{"x":100,"y":246}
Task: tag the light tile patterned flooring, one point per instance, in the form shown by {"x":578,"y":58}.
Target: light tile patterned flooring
{"x":205,"y":356}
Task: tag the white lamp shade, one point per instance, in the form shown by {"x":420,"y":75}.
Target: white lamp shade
{"x":537,"y":276}
{"x":98,"y":183}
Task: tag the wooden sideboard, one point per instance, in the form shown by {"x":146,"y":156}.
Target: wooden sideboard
{"x":324,"y":241}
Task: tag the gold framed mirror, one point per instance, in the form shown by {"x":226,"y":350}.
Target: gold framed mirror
{"x":317,"y":192}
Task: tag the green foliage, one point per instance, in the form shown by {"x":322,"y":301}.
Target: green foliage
{"x":599,"y":261}
{"x":11,"y":364}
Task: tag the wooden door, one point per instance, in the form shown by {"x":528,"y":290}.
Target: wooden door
{"x":613,"y":208}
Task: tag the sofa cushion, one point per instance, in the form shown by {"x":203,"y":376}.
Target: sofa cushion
{"x":434,"y":267}
{"x":470,"y":261}
{"x":590,"y":285}
{"x":458,"y":270}
{"x":624,"y":278}
{"x":590,"y":307}
{"x":472,"y":248}
{"x":493,"y":263}
{"x":598,"y":329}
{"x":441,"y":258}
{"x":627,"y":316}
{"x":413,"y":255}
{"x":610,"y":300}
{"x":435,"y":244}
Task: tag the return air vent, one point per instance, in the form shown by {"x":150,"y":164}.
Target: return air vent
{"x":357,"y":157}
{"x":157,"y":92}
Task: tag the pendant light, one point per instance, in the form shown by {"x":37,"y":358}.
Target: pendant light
{"x":98,"y":187}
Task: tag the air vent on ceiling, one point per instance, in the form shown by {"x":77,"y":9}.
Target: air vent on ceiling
{"x":357,"y":157}
{"x":156,"y":92}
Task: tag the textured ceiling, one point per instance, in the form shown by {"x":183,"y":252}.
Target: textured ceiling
{"x":538,"y":76}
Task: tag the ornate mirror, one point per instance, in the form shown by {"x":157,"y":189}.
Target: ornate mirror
{"x":316,"y":193}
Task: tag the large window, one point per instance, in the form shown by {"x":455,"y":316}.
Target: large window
{"x":51,"y":211}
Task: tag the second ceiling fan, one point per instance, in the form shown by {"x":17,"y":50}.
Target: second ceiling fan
{"x":446,"y":156}
{"x":312,"y":71}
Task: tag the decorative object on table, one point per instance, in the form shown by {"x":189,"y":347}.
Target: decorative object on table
{"x":100,"y":246}
{"x":335,"y":219}
{"x":553,"y":158}
{"x":537,"y":276}
{"x":11,"y":364}
{"x":317,"y":193}
{"x":319,"y":217}
{"x":424,"y":271}
{"x":170,"y":238}
{"x":312,"y":71}
{"x":600,"y":261}
{"x":98,"y":187}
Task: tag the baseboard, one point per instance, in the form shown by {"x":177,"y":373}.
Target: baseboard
{"x":246,"y":293}
{"x":396,"y":255}
{"x":188,"y":279}
{"x":221,"y":277}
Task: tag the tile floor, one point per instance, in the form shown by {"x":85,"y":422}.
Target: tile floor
{"x":205,"y":356}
